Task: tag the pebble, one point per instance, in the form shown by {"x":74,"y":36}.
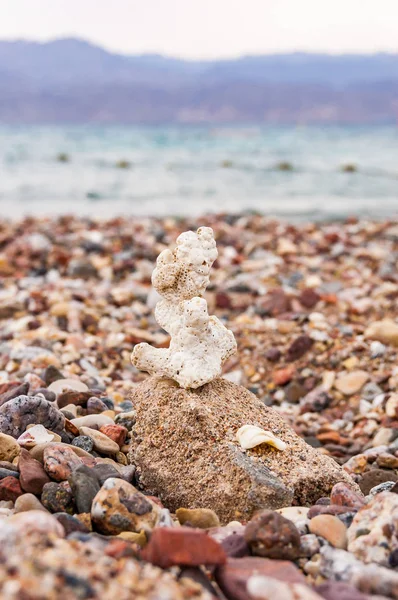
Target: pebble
{"x":309,"y":545}
{"x":9,"y":447}
{"x":59,"y":461}
{"x":342,"y":495}
{"x":117,"y":433}
{"x":126,"y":419}
{"x":102,"y":443}
{"x":32,"y":474}
{"x":70,"y":523}
{"x":17,"y":414}
{"x":299,"y":347}
{"x":36,"y":521}
{"x":372,"y":478}
{"x":294,"y":513}
{"x":59,"y":386}
{"x":385,"y":331}
{"x":182,"y":546}
{"x":84,"y":441}
{"x":36,"y":435}
{"x":331,"y":529}
{"x":85,"y":485}
{"x":119,"y":506}
{"x":351,"y":383}
{"x":10,"y":488}
{"x":271,"y":535}
{"x":203,"y":518}
{"x":92,"y":421}
{"x":58,"y":497}
{"x":28,"y":502}
{"x":372,"y":536}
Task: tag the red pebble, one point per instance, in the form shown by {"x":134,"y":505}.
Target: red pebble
{"x":182,"y":546}
{"x":117,"y":433}
{"x":283,"y":376}
{"x":10,"y":489}
{"x":342,"y":495}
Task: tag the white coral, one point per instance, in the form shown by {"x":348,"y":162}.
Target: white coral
{"x":199,"y":343}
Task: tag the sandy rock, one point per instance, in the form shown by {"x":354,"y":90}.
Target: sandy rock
{"x":372,"y":537}
{"x":385,"y":331}
{"x":17,"y":414}
{"x":118,"y":507}
{"x":331,"y":529}
{"x":9,"y":447}
{"x":185,"y":451}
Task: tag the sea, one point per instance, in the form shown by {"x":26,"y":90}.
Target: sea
{"x":294,"y":172}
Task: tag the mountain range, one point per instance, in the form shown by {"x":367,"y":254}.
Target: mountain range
{"x":73,"y":81}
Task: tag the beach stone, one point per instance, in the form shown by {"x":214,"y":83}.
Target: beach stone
{"x":268,"y":588}
{"x":95,"y":406}
{"x":309,"y":545}
{"x":385,"y":331}
{"x":14,"y":392}
{"x":36,"y":521}
{"x":119,"y":506}
{"x":182,"y":546}
{"x":8,"y":473}
{"x":202,"y":518}
{"x":331,"y":529}
{"x":126,"y":419}
{"x":28,"y":502}
{"x":104,"y":471}
{"x":299,"y":347}
{"x":70,"y":523}
{"x":58,"y":497}
{"x":17,"y":414}
{"x":85,"y":485}
{"x":102,"y":443}
{"x":32,"y":474}
{"x":83,"y":441}
{"x":309,"y":298}
{"x":92,"y":421}
{"x":38,"y":451}
{"x":336,"y":590}
{"x":51,"y":374}
{"x":294,"y":513}
{"x":375,"y":477}
{"x":59,"y":386}
{"x":351,"y":383}
{"x":59,"y":461}
{"x":74,"y":397}
{"x":372,"y":537}
{"x":233,"y":576}
{"x":221,"y":476}
{"x":235,"y":546}
{"x":343,"y":495}
{"x":270,"y":535}
{"x":117,"y":433}
{"x":10,"y":488}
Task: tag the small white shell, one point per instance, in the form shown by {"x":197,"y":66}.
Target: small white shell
{"x":33,"y":436}
{"x":250,"y":436}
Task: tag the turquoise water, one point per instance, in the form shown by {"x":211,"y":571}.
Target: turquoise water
{"x":192,"y":170}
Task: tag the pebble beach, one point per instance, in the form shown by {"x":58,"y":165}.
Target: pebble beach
{"x":313,"y":308}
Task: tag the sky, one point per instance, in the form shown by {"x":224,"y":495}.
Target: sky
{"x":209,"y":28}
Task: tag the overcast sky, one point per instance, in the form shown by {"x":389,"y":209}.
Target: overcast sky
{"x":209,"y":28}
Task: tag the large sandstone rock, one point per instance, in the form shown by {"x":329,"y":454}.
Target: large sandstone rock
{"x":186,"y":453}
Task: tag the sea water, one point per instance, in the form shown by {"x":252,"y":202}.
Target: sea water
{"x":294,"y":172}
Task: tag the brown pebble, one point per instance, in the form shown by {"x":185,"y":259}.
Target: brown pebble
{"x":331,"y":529}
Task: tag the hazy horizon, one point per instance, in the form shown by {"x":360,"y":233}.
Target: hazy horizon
{"x":209,"y":29}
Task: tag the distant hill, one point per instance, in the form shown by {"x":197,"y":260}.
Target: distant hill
{"x":73,"y":81}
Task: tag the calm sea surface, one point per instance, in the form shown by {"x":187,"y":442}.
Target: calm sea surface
{"x":192,"y":170}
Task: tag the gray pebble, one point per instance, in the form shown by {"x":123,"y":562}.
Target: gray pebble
{"x":83,"y":441}
{"x":17,"y":414}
